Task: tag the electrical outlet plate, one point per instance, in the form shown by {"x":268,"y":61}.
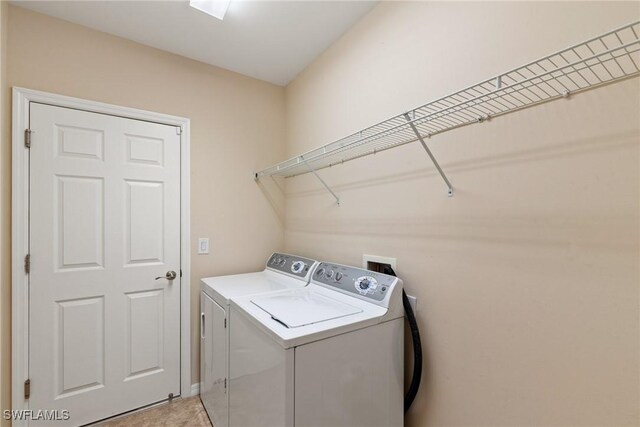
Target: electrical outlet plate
{"x":378,"y":259}
{"x":413,"y":301}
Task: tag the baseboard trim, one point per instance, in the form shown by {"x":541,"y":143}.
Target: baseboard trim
{"x":195,"y":389}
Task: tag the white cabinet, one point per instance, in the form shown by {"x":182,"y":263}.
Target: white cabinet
{"x":213,"y":361}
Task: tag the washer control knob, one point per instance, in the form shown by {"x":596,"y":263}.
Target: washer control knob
{"x":366,"y":284}
{"x":329,"y":274}
{"x":298,"y":267}
{"x":338,"y":276}
{"x":320,"y":272}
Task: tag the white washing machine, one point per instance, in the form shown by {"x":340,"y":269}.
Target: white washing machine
{"x":329,"y":354}
{"x":283,"y":271}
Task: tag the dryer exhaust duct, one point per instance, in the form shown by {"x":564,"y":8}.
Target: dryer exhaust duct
{"x":386,"y":266}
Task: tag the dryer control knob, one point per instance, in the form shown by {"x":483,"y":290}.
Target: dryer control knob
{"x":298,"y":267}
{"x":364,"y":283}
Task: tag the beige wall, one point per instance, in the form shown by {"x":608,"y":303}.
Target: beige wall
{"x":237,"y":125}
{"x":527,"y":279}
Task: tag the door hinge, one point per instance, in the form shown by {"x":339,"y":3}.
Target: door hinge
{"x":27,"y":138}
{"x":27,"y":389}
{"x":179,"y":130}
{"x":27,"y":263}
{"x":225,"y":322}
{"x":180,"y":273}
{"x":225,"y":383}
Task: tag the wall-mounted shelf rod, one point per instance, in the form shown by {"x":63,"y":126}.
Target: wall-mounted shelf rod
{"x":608,"y":58}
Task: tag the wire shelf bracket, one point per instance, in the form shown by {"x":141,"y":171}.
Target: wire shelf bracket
{"x":602,"y":60}
{"x":321,"y":180}
{"x":431,"y":156}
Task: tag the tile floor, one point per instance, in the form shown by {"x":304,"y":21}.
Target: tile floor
{"x":187,"y":412}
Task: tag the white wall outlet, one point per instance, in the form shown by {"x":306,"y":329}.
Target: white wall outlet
{"x":413,"y":302}
{"x":203,"y":245}
{"x":366,"y":259}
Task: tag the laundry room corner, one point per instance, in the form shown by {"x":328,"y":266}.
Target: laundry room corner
{"x":526,"y":279}
{"x":227,"y":110}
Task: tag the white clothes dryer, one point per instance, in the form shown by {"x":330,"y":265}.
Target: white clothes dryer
{"x":328,"y":354}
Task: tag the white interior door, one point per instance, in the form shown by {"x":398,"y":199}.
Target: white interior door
{"x":104,"y":223}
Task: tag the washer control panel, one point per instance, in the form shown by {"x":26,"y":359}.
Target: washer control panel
{"x":290,"y":264}
{"x":354,"y":280}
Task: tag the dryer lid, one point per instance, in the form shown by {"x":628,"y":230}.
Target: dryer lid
{"x":303,"y":308}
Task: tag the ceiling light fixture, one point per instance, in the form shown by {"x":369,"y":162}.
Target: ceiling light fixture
{"x":215,"y":8}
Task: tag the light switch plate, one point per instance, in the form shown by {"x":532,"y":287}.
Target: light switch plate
{"x":203,"y":245}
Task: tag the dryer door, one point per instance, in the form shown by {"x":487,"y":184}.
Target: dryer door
{"x":213,"y":361}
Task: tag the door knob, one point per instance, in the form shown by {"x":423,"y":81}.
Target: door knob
{"x":169,"y":276}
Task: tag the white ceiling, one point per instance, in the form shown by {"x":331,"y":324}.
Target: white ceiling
{"x":268,"y":40}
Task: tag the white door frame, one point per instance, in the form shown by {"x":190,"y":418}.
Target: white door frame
{"x":20,"y":230}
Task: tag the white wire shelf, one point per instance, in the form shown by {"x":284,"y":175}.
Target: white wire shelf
{"x":610,"y":57}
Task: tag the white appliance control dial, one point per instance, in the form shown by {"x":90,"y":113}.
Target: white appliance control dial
{"x":366,"y":284}
{"x":298,"y":267}
{"x":290,"y":264}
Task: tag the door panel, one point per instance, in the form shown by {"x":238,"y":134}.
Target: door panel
{"x":79,"y":142}
{"x":79,"y":214}
{"x":144,"y":150}
{"x":213,"y":361}
{"x":145,"y":335}
{"x":144,"y":222}
{"x":80,"y":346}
{"x":104,"y":223}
